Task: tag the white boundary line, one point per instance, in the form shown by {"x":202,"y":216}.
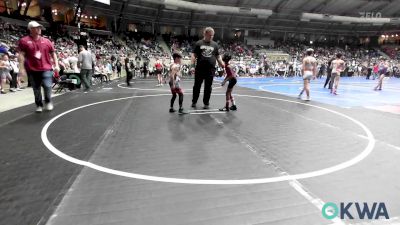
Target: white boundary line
{"x":203,"y":113}
{"x":203,"y":110}
{"x":341,"y":166}
{"x":317,"y":202}
{"x":155,"y":89}
{"x":143,"y":89}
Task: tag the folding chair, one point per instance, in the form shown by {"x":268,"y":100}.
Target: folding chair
{"x":63,"y":83}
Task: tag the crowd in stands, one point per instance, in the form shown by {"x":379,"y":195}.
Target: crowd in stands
{"x":109,"y":52}
{"x":106,"y":50}
{"x":143,"y":50}
{"x":392,"y":51}
{"x":185,"y":47}
{"x":9,"y":36}
{"x":255,"y":61}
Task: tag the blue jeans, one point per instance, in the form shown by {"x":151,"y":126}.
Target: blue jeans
{"x":41,"y":79}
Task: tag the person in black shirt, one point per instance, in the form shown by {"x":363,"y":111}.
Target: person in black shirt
{"x":119,"y":68}
{"x":145,"y":70}
{"x":369,"y":71}
{"x":321,"y":70}
{"x":129,"y":71}
{"x":291,"y":71}
{"x":204,"y":56}
{"x":329,"y":73}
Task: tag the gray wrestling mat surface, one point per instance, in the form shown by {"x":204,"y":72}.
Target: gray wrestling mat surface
{"x":125,"y":159}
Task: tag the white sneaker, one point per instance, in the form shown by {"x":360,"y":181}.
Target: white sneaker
{"x":19,"y":89}
{"x":39,"y":109}
{"x":308,"y":98}
{"x":49,"y":106}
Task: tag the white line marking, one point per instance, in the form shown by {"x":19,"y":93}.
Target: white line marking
{"x":203,"y":110}
{"x":154,"y":89}
{"x":203,"y":113}
{"x":338,"y":128}
{"x":107,"y":88}
{"x":143,"y":89}
{"x":368,"y":149}
{"x":393,"y":146}
{"x":362,"y":136}
{"x":317,"y":202}
{"x":302,"y":190}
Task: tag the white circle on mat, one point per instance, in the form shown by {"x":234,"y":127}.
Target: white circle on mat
{"x":368,"y":149}
{"x":155,"y":89}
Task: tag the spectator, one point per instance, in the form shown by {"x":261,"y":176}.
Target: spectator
{"x":86,"y":62}
{"x":5,"y":69}
{"x":34,"y":59}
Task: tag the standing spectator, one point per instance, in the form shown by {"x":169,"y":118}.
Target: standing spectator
{"x":145,"y":70}
{"x":291,"y":71}
{"x":119,"y":68}
{"x":375,"y":70}
{"x":369,"y":71}
{"x":322,"y":69}
{"x":109,"y":70}
{"x":5,"y":69}
{"x":129,"y":71}
{"x":205,"y":53}
{"x":86,"y":63}
{"x":159,"y":67}
{"x":137,"y":65}
{"x":138,"y":59}
{"x":35,"y":55}
{"x":15,"y":73}
{"x":329,"y":74}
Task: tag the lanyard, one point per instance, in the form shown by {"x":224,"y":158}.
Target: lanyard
{"x":34,"y":43}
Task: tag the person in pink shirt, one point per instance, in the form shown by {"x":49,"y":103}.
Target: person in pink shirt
{"x":375,"y":71}
{"x":36,"y":56}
